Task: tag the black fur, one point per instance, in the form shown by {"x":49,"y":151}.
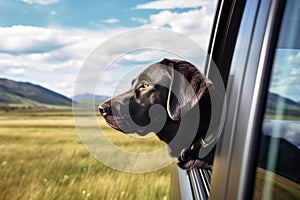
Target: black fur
{"x":175,"y":85}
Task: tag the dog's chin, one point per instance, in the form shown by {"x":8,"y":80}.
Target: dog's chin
{"x":125,"y":128}
{"x":129,"y":130}
{"x":114,"y":127}
{"x":112,"y":123}
{"x":118,"y":124}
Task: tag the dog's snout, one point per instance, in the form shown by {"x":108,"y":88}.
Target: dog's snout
{"x":105,"y":109}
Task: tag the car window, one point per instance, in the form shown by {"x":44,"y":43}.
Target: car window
{"x":277,"y":174}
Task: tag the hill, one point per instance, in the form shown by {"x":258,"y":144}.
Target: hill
{"x":290,"y":107}
{"x":90,"y":97}
{"x":288,"y":160}
{"x":25,"y":94}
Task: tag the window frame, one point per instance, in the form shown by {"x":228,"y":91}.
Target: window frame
{"x":245,"y":71}
{"x":195,"y":184}
{"x":236,"y":154}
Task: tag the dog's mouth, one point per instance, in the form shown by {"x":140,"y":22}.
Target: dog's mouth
{"x":113,"y":122}
{"x":118,"y":123}
{"x":123,"y":125}
{"x":122,"y":122}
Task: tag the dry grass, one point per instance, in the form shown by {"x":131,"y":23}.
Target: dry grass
{"x":42,"y":157}
{"x":269,"y":185}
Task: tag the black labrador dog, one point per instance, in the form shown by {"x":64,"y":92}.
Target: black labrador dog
{"x":170,"y":98}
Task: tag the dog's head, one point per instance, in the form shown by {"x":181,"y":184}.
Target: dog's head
{"x":158,"y":99}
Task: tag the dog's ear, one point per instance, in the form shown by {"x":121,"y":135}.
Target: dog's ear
{"x":187,"y":86}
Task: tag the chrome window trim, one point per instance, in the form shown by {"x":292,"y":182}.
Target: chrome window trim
{"x":209,"y":59}
{"x":194,"y":184}
{"x":256,"y":109}
{"x":184,"y":184}
{"x":223,"y":156}
{"x":227,"y":16}
{"x":200,"y":183}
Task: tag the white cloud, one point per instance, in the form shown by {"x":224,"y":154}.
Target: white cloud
{"x":111,"y":21}
{"x":49,"y":56}
{"x":50,"y":48}
{"x":295,"y":58}
{"x":139,"y":48}
{"x":139,"y":20}
{"x":195,"y":23}
{"x":14,"y":71}
{"x":41,"y":2}
{"x":171,"y":4}
{"x":31,"y":39}
{"x":286,"y":72}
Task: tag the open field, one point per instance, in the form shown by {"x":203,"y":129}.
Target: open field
{"x":42,"y":157}
{"x":269,"y":185}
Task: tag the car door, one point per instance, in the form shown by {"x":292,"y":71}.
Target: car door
{"x":251,"y":44}
{"x":254,"y":149}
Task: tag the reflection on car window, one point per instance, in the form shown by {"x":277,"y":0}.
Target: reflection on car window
{"x":277,"y":175}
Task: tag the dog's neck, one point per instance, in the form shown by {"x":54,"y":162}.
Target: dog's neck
{"x":167,"y":132}
{"x":171,"y":128}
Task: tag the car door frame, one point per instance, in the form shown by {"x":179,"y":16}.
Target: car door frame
{"x":242,"y":46}
{"x":236,"y":153}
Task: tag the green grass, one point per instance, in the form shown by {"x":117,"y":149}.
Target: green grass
{"x":42,"y":157}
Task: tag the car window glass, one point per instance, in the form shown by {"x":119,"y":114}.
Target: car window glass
{"x":277,"y":174}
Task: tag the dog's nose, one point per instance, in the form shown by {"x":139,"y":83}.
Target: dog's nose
{"x":105,"y":109}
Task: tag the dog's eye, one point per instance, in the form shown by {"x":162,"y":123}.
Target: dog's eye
{"x":144,"y":86}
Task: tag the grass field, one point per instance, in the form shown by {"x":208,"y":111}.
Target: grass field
{"x":269,"y":185}
{"x":42,"y":157}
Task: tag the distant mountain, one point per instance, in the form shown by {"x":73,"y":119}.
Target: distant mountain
{"x":90,"y":97}
{"x":87,"y":100}
{"x":288,"y":157}
{"x":290,"y":107}
{"x":25,"y":94}
{"x":286,"y":129}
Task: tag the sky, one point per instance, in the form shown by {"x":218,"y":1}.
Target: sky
{"x":47,"y":42}
{"x":286,"y":73}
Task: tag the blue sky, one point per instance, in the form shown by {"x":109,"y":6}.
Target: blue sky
{"x":46,"y":42}
{"x":286,"y":72}
{"x":79,"y":13}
